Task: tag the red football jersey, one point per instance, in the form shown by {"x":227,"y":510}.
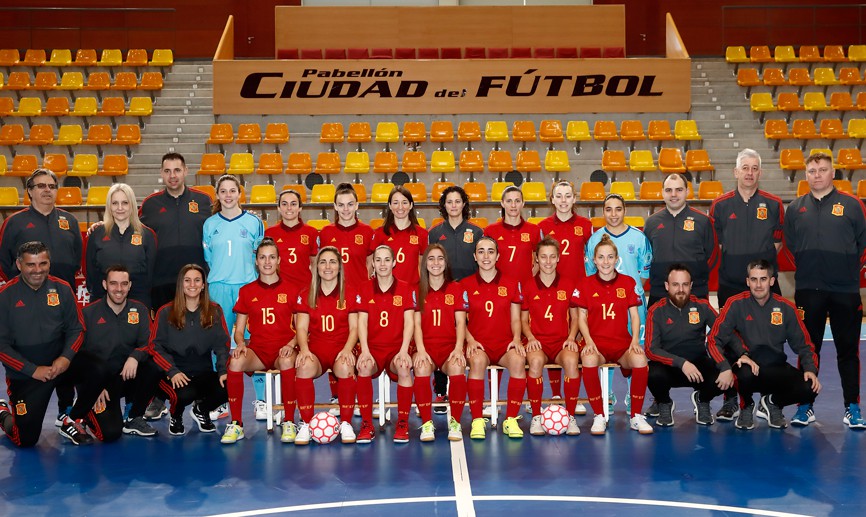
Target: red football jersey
{"x":438,"y":318}
{"x":296,"y":244}
{"x":516,"y":247}
{"x":607,"y":304}
{"x":269,"y":310}
{"x":385,"y":312}
{"x":408,"y":246}
{"x":329,"y":321}
{"x":490,"y":309}
{"x":354,"y":245}
{"x":548,"y":308}
{"x":572,"y":236}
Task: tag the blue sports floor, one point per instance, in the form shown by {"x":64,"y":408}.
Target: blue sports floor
{"x":682,"y":470}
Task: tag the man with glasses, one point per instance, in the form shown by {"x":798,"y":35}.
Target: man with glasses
{"x":825,"y":231}
{"x":42,"y":222}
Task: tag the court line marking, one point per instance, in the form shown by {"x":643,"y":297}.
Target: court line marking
{"x":462,"y":487}
{"x":338,"y":504}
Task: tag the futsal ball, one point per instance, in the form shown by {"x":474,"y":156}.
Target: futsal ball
{"x":323,"y":427}
{"x":554,"y":419}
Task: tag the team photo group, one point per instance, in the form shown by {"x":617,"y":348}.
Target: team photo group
{"x":189,"y":296}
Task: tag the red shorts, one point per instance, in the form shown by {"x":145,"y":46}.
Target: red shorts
{"x":612,"y":354}
{"x":551,"y":350}
{"x":266,"y":356}
{"x":383,"y":357}
{"x":495,"y":354}
{"x":327,"y":356}
{"x":439,"y":354}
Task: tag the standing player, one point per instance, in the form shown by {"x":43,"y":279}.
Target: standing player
{"x":327,"y":330}
{"x":440,"y":331}
{"x":297,"y":241}
{"x":185,"y":335}
{"x":386,"y":324}
{"x":230,"y":238}
{"x":515,"y":238}
{"x":572,"y":232}
{"x":549,"y":324}
{"x":607,"y":304}
{"x":402,"y":233}
{"x":265,"y":306}
{"x":493,"y":337}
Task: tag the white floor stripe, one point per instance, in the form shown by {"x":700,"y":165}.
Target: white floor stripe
{"x":338,"y":504}
{"x":462,"y":488}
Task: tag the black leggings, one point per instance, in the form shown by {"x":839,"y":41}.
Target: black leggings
{"x":204,"y":387}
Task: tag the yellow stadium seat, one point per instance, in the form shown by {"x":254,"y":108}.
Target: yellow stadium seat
{"x":441,"y":132}
{"x":784,"y":54}
{"x":2,"y":164}
{"x":112,"y":107}
{"x":417,"y":190}
{"x":69,"y":134}
{"x":809,"y":54}
{"x":496,"y":131}
{"x":533,"y":191}
{"x":736,"y":55}
{"x":56,"y":163}
{"x":857,"y":53}
{"x":380,"y":192}
{"x":114,"y":165}
{"x":84,"y":165}
{"x":857,"y":128}
{"x":162,"y":57}
{"x":96,"y":196}
{"x":98,"y":81}
{"x":834,"y":54}
{"x":98,"y":134}
{"x":8,"y":195}
{"x":69,"y":196}
{"x":760,"y":54}
{"x":710,"y":190}
{"x":686,"y":130}
{"x":815,"y":101}
{"x":592,"y":191}
{"x":762,"y":102}
{"x":212,"y":164}
{"x":140,"y":107}
{"x":110,"y":57}
{"x":556,"y":161}
{"x":641,"y":161}
{"x":442,"y":162}
{"x":11,"y":134}
{"x":60,"y":57}
{"x":498,"y":188}
{"x":357,"y":163}
{"x":125,"y":81}
{"x":824,"y":76}
{"x":499,"y":162}
{"x":318,"y":223}
{"x":698,"y":160}
{"x":136,"y":57}
{"x":241,"y":163}
{"x":71,"y":81}
{"x":328,"y":163}
{"x":635,"y":221}
{"x":438,"y":188}
{"x":260,"y":194}
{"x":824,"y":150}
{"x":249,"y":134}
{"x":651,"y":190}
{"x":276,"y":133}
{"x":624,"y":189}
{"x":40,"y":134}
{"x":29,"y":107}
{"x":84,"y":107}
{"x":323,"y":193}
{"x":387,"y":133}
{"x":671,"y":160}
{"x":23,"y":165}
{"x":577,"y":131}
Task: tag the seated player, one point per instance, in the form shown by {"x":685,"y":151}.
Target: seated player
{"x":764,"y":321}
{"x":440,"y":331}
{"x":676,"y":346}
{"x":327,"y":331}
{"x":549,"y":324}
{"x":607,"y":303}
{"x":185,"y":335}
{"x":493,"y":337}
{"x":386,"y":324}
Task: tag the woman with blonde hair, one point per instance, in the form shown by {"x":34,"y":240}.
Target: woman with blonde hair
{"x":121,"y":240}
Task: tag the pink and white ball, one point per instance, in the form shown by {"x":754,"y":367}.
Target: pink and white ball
{"x":324,"y":427}
{"x":554,"y":420}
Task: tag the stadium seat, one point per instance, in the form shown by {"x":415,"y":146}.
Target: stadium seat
{"x":500,"y":162}
{"x":18,"y":81}
{"x":784,"y":54}
{"x":125,"y":81}
{"x":249,"y":134}
{"x":405,"y":53}
{"x":523,"y":131}
{"x":441,"y":132}
{"x":760,"y":54}
{"x":632,"y":131}
{"x":360,"y":191}
{"x":381,"y":53}
{"x":96,"y":196}
{"x":624,"y":189}
{"x":335,"y":53}
{"x":85,"y":57}
{"x":428,"y":53}
{"x":861,"y":189}
{"x":844,"y":186}
{"x":804,"y":129}
{"x":114,"y":165}
{"x":850,"y":160}
{"x":788,"y":102}
{"x":40,"y":134}
{"x":687,"y":130}
{"x":84,"y":165}
{"x":641,"y":161}
{"x":792,"y":160}
{"x":128,"y":135}
{"x":605,"y":131}
{"x":496,"y":131}
{"x":861,"y":101}
{"x":592,"y":191}
{"x":359,"y":133}
{"x":776,"y":129}
{"x":414,"y":162}
{"x":414,"y":133}
{"x":671,"y":160}
{"x":857,"y":53}
{"x":577,"y":131}
{"x":660,"y":131}
{"x":566,"y":53}
{"x":841,"y":101}
{"x":71,"y":81}
{"x":748,"y":78}
{"x":151,"y":82}
{"x":29,"y":107}
{"x":208,"y":190}
{"x":98,"y":81}
{"x":45,"y":81}
{"x":323,"y":193}
{"x":497,"y":53}
{"x":762,"y":103}
{"x":11,"y":134}
{"x":815,"y":101}
{"x":328,"y":163}
{"x":261,"y":194}
{"x":8,"y":195}
{"x":276,"y":133}
{"x":69,"y":134}
{"x":498,"y":188}
{"x":476,"y":191}
{"x":380,"y":192}
{"x":212,"y":164}
{"x":533,"y":191}
{"x":300,"y":189}
{"x":651,"y":190}
{"x":480,"y":222}
{"x":241,"y":164}
{"x":826,"y":151}
{"x":23,"y":165}
{"x":850,"y":76}
{"x":550,"y":132}
{"x":69,"y":196}
{"x":543,"y":53}
{"x":799,"y":77}
{"x":471,"y":162}
{"x":3,"y":165}
{"x":140,"y":107}
{"x":635,"y":221}
{"x":110,"y":57}
{"x":98,"y":134}
{"x":834,"y":54}
{"x":270,"y":164}
{"x":824,"y":76}
{"x":528,"y":162}
{"x":590,"y":53}
{"x":220,"y":134}
{"x":56,"y":107}
{"x":385,"y":162}
{"x":773,"y":77}
{"x":162,"y":57}
{"x":387,"y":133}
{"x":710,"y":190}
{"x":112,"y":107}
{"x":357,"y":162}
{"x":438,"y":188}
{"x":698,"y":160}
{"x":56,"y":163}
{"x":318,"y":223}
{"x":831,"y":129}
{"x":556,"y":161}
{"x":417,"y":190}
{"x":857,"y":128}
{"x":613,"y":161}
{"x":809,"y":54}
{"x":442,"y":163}
{"x":469,"y":131}
{"x":135,"y":57}
{"x":60,"y":57}
{"x":597,"y":222}
{"x":736,"y":55}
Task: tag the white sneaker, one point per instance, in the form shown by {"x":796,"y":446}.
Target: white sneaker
{"x":527,"y":408}
{"x":487,"y":412}
{"x":335,"y":411}
{"x":580,"y":410}
{"x":535,"y":427}
{"x":220,"y":412}
{"x":639,"y":424}
{"x":303,"y":436}
{"x":599,"y":425}
{"x":573,"y":429}
{"x":347,"y":434}
{"x":428,"y":431}
{"x":261,"y":409}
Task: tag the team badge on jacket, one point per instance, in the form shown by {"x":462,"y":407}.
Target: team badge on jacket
{"x":305,"y":239}
{"x":689,"y":225}
{"x":132,"y":317}
{"x":63,"y":224}
{"x":838,"y":210}
{"x":762,"y":213}
{"x":468,"y":237}
{"x":694,"y":318}
{"x":135,"y":240}
{"x":502,"y":291}
{"x":193,"y":207}
{"x":776,"y":318}
{"x":53,"y":299}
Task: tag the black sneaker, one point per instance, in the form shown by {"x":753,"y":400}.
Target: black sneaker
{"x":664,"y":413}
{"x":730,"y":409}
{"x":772,"y":413}
{"x":61,"y":417}
{"x":703,"y":413}
{"x":654,"y":411}
{"x":6,"y":421}
{"x":175,"y":426}
{"x":138,"y":426}
{"x":442,"y":408}
{"x":746,"y":418}
{"x":156,"y":410}
{"x":74,"y":431}
{"x":202,"y":418}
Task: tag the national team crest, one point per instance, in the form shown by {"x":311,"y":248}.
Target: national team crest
{"x":193,"y":207}
{"x":689,"y":225}
{"x":135,"y":240}
{"x":468,"y":237}
{"x":694,"y":318}
{"x":21,"y":409}
{"x":524,"y":237}
{"x":838,"y":210}
{"x":53,"y":299}
{"x":132,"y":318}
{"x":762,"y":213}
{"x":305,"y":239}
{"x":398,"y":301}
{"x":561,"y":296}
{"x":801,"y":314}
{"x":449,"y":299}
{"x":578,"y":231}
{"x":776,"y":318}
{"x":63,"y":224}
{"x":502,"y":291}
{"x":413,"y":240}
{"x":282,"y":298}
{"x":341,"y":305}
{"x":359,"y":240}
{"x":620,"y":292}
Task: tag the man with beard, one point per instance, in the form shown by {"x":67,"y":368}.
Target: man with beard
{"x":676,"y":331}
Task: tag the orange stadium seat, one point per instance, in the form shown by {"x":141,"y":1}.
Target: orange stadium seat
{"x":7,"y":106}
{"x":710,"y":190}
{"x":471,"y":162}
{"x":760,"y":54}
{"x":18,"y":81}
{"x":774,"y":77}
{"x":98,"y":134}
{"x":831,"y":129}
{"x":660,"y":131}
{"x":9,"y":57}
{"x":850,"y":160}
{"x":112,"y":107}
{"x":114,"y":165}
{"x":212,"y":164}
{"x":613,"y":161}
{"x":605,"y":131}
{"x":809,"y":54}
{"x":841,"y":101}
{"x":792,"y":160}
{"x":45,"y":81}
{"x":438,"y":188}
{"x":385,"y":162}
{"x":151,"y":81}
{"x":41,"y":134}
{"x":85,"y":57}
{"x":127,"y":134}
{"x":56,"y":163}
{"x":417,"y":190}
{"x":776,"y":129}
{"x":804,"y":129}
{"x":249,"y":134}
{"x":550,"y":131}
{"x":33,"y":57}
{"x":414,"y":133}
{"x":469,"y":131}
{"x":528,"y":162}
{"x":98,"y":81}
{"x":270,"y":164}
{"x":300,"y":189}
{"x":850,"y":76}
{"x":499,"y":162}
{"x":698,"y":160}
{"x":441,"y":132}
{"x":671,"y":160}
{"x":276,"y":133}
{"x":592,"y":191}
{"x":135,"y":57}
{"x":523,"y":131}
{"x":359,"y":133}
{"x":69,"y":196}
{"x":220,"y":134}
{"x":861,"y":189}
{"x":11,"y":134}
{"x":834,"y":54}
{"x":632,"y":131}
{"x":23,"y":165}
{"x":125,"y":81}
{"x":414,"y":162}
{"x":799,"y":77}
{"x":477,"y":192}
{"x":651,"y":190}
{"x":328,"y":163}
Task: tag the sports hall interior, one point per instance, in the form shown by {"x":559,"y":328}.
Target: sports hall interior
{"x":451,"y":92}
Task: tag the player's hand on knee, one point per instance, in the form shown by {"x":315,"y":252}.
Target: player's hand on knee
{"x":240,"y":351}
{"x":812,"y":379}
{"x":517,"y":347}
{"x":421,"y":359}
{"x":570,"y":345}
{"x":130,"y":368}
{"x":179,"y":380}
{"x":532,"y":345}
{"x":457,"y":357}
{"x":725,"y":380}
{"x":746,"y":360}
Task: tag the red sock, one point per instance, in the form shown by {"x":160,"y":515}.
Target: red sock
{"x":593,"y":388}
{"x":638,"y":389}
{"x":554,"y":376}
{"x":572,"y":392}
{"x":457,"y":394}
{"x":365,"y":398}
{"x":534,"y":389}
{"x":516,"y":390}
{"x":404,"y":401}
{"x":287,"y":390}
{"x":346,"y":393}
{"x":333,"y":382}
{"x":476,"y":397}
{"x":424,"y":397}
{"x":306,"y":398}
{"x":235,"y":388}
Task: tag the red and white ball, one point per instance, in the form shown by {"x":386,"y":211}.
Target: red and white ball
{"x":324,"y":427}
{"x":554,"y":419}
